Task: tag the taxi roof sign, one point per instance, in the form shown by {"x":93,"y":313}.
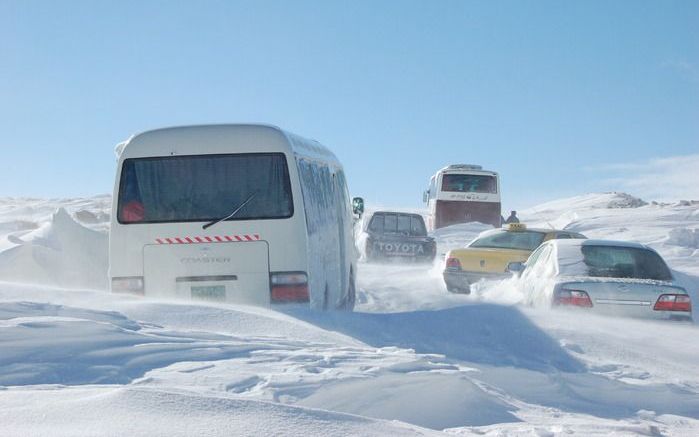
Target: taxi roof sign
{"x":516,"y":227}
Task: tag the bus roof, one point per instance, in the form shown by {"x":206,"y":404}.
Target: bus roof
{"x":464,"y":169}
{"x":221,"y":139}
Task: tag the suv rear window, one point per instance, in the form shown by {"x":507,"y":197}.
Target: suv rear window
{"x":401,"y":224}
{"x":204,"y":188}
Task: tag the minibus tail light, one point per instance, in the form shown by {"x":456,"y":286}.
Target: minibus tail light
{"x":289,"y":287}
{"x":128,"y":284}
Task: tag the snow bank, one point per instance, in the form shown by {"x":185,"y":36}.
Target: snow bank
{"x":683,"y":237}
{"x":92,"y":212}
{"x":456,"y":236}
{"x":432,"y":400}
{"x":141,"y":411}
{"x":61,"y":252}
{"x":612,"y":200}
{"x":92,"y":363}
{"x":489,"y":334}
{"x":93,"y":347}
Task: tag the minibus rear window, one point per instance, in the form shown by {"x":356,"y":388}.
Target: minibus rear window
{"x":204,"y":188}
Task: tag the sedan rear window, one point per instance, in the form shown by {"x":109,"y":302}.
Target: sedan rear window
{"x":520,"y":240}
{"x":624,"y":262}
{"x":204,"y":188}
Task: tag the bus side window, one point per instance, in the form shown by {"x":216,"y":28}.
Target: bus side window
{"x":433,"y":188}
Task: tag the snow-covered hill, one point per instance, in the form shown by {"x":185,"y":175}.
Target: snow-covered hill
{"x":671,"y":229}
{"x":413,"y":359}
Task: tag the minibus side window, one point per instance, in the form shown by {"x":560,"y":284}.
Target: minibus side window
{"x":318,"y":194}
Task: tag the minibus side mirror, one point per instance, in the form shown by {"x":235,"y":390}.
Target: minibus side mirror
{"x":425,"y":196}
{"x":358,"y":206}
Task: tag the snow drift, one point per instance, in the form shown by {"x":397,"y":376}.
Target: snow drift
{"x":61,"y":252}
{"x":88,"y":362}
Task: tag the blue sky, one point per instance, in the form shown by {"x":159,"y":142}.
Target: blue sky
{"x":560,"y":97}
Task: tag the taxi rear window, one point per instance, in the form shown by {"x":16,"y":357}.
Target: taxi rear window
{"x":521,"y":240}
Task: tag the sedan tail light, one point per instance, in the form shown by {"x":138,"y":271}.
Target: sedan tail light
{"x":453,"y":264}
{"x":576,"y":298}
{"x":673,"y":302}
{"x":289,"y":287}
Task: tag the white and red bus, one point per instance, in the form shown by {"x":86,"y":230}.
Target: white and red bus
{"x":234,"y":213}
{"x":462,"y":193}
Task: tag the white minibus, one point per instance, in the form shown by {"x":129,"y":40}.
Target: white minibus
{"x":235,"y":213}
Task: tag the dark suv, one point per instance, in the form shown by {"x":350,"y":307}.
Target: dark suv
{"x":398,"y":235}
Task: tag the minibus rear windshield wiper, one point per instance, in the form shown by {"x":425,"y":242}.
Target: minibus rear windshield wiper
{"x":231,"y":215}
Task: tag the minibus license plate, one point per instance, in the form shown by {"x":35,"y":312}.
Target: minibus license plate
{"x":209,"y":292}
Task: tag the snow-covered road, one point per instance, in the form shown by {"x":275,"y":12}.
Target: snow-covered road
{"x":413,"y":359}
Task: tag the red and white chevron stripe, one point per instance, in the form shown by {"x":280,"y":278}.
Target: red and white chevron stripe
{"x":208,"y":239}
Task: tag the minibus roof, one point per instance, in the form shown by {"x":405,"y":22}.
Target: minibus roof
{"x":221,"y":139}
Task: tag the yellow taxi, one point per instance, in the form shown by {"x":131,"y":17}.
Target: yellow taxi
{"x":489,"y":254}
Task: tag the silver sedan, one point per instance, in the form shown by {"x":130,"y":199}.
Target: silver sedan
{"x":603,"y":276}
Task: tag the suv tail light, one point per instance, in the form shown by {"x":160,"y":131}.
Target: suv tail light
{"x":673,"y":302}
{"x":453,"y":264}
{"x":289,"y":287}
{"x":128,"y":284}
{"x":577,"y":298}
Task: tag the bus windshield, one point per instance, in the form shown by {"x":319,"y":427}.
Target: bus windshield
{"x":204,"y":188}
{"x":469,"y":183}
